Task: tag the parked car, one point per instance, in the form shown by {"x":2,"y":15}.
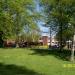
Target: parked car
{"x":55,"y":46}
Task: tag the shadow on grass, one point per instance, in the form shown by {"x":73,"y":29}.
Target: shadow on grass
{"x":63,"y":55}
{"x":15,"y":70}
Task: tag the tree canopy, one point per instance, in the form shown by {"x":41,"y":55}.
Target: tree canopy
{"x":62,"y":12}
{"x":14,"y":16}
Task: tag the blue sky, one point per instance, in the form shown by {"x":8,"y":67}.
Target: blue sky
{"x":45,"y":30}
{"x":40,"y":23}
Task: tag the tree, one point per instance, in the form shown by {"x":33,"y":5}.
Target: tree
{"x":14,"y":15}
{"x":52,"y":28}
{"x":31,"y":34}
{"x":61,"y":12}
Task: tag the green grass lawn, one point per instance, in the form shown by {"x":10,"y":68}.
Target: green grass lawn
{"x":33,"y":62}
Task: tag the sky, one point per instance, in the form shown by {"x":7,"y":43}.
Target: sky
{"x":45,"y":30}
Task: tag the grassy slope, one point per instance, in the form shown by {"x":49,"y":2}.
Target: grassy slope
{"x":32,"y":64}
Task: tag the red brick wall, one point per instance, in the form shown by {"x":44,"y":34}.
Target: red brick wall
{"x":45,"y":40}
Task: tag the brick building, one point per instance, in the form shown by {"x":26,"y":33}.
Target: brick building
{"x":44,"y":40}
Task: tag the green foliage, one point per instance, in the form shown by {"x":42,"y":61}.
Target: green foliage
{"x":62,"y":12}
{"x":14,"y":16}
{"x":31,"y":34}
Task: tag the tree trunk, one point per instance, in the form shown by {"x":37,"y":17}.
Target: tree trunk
{"x":72,"y":54}
{"x":1,"y":40}
{"x":60,"y":40}
{"x":50,"y":38}
{"x":60,"y":26}
{"x":72,"y":51}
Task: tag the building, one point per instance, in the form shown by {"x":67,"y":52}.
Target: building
{"x":47,"y":40}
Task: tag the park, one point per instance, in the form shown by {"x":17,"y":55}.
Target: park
{"x":37,"y":37}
